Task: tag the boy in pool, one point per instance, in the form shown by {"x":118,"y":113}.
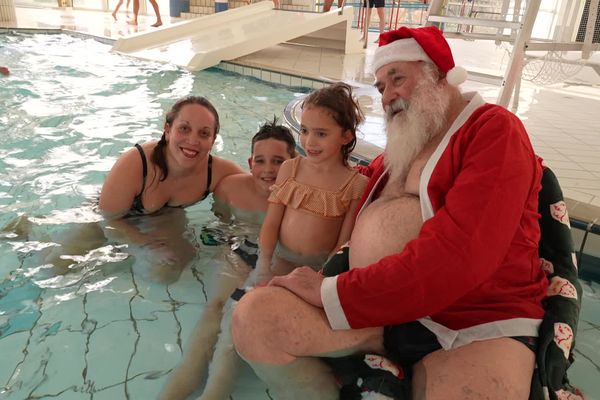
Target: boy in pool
{"x":240,"y":198}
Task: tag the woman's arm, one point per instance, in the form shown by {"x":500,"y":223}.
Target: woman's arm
{"x":123,"y":183}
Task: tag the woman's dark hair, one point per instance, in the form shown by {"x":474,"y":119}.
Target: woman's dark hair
{"x":158,"y":156}
{"x":272,"y":130}
{"x":342,"y":106}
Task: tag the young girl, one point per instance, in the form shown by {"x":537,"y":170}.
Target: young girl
{"x":241,"y":198}
{"x":313,"y":203}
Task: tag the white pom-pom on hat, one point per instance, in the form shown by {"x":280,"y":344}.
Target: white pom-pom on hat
{"x":456,"y":76}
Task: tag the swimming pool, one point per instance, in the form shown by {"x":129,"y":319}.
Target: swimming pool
{"x":101,"y":331}
{"x":69,"y":109}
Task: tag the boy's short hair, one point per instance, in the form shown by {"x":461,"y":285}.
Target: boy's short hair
{"x":273,"y":130}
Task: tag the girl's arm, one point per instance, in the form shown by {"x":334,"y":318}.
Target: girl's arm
{"x":269,"y":235}
{"x":347,"y":226}
{"x":269,"y":231}
{"x":358,"y":188}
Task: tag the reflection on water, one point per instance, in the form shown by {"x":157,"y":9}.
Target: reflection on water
{"x":84,"y":314}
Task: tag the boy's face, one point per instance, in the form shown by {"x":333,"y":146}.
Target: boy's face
{"x":267,"y":157}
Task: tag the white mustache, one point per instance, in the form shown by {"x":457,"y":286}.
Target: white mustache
{"x":395,"y":106}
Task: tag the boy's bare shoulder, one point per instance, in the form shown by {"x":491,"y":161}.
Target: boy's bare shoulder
{"x":231,"y":185}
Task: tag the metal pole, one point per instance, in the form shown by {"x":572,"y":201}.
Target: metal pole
{"x":518,"y":54}
{"x":586,"y":50}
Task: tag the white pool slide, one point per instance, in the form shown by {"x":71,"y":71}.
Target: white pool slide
{"x":205,"y":41}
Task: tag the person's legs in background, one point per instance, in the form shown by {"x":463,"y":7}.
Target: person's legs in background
{"x":367,"y":21}
{"x":136,"y":10}
{"x":380,"y":6}
{"x":114,"y":13}
{"x":157,"y":12}
{"x":328,"y":3}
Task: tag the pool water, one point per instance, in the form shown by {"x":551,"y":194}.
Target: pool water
{"x":68,"y":110}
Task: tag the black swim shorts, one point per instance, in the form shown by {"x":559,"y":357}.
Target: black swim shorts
{"x":375,"y":3}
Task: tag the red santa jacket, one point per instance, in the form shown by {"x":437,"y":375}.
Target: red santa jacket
{"x":474,"y":271}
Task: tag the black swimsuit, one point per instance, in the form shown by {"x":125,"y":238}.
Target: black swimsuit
{"x":137,"y":207}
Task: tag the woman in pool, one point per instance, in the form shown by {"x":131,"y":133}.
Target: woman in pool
{"x":173,"y":172}
{"x":165,"y":175}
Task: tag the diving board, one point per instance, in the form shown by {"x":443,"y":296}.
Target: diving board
{"x":205,"y":41}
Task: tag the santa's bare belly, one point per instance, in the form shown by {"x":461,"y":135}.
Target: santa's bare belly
{"x":383,"y":228}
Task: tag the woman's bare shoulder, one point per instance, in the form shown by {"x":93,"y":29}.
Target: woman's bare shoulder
{"x":132,"y":154}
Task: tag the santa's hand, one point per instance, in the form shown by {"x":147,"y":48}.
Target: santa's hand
{"x":304,"y":282}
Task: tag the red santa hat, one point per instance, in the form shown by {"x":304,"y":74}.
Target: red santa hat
{"x":418,"y":44}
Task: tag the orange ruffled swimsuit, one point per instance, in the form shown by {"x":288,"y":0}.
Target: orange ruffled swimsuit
{"x":317,"y":201}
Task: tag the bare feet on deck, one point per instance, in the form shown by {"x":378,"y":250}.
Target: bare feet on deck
{"x":132,"y":22}
{"x":157,"y":24}
{"x":114,"y":14}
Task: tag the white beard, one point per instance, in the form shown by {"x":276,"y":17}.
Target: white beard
{"x":409,"y":131}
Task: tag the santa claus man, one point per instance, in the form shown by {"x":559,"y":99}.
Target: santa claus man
{"x":444,"y":278}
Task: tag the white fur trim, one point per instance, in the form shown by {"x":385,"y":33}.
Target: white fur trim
{"x":475,"y":101}
{"x":456,"y":76}
{"x":331,"y":304}
{"x":400,"y":50}
{"x":453,"y":339}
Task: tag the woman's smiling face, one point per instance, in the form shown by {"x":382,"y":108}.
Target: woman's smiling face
{"x":191,"y":135}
